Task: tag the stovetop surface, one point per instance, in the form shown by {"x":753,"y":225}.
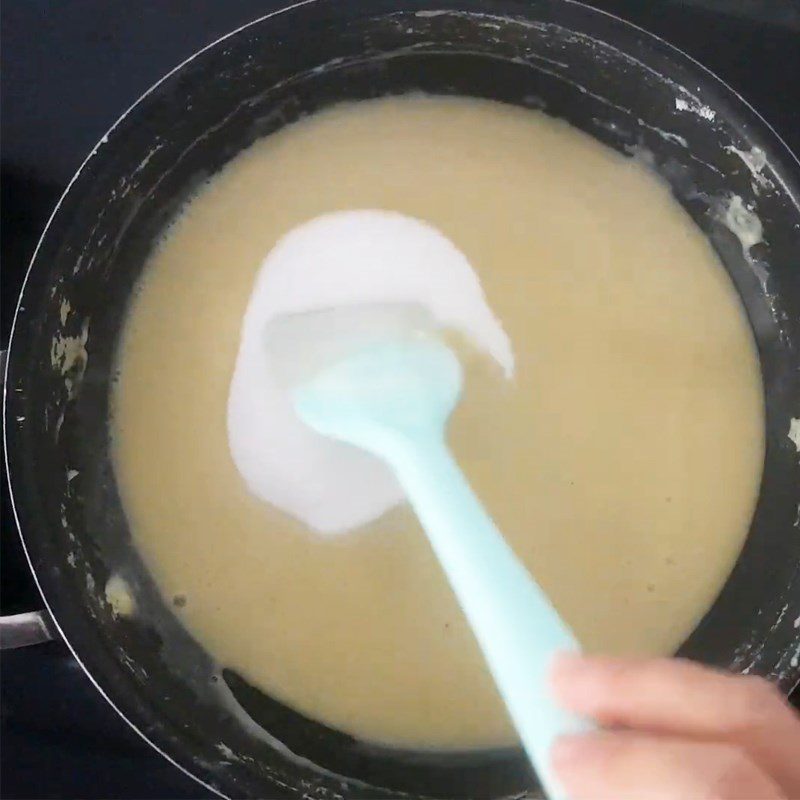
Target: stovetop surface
{"x":69,"y":70}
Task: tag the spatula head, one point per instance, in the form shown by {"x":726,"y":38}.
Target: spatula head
{"x":299,"y":345}
{"x":381,"y":393}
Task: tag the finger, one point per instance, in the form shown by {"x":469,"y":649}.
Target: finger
{"x":665,"y":693}
{"x":634,"y":766}
{"x":675,"y":696}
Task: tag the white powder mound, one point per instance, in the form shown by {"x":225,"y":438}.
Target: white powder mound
{"x":341,"y":259}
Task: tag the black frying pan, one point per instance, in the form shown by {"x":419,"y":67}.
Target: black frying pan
{"x":628,"y":89}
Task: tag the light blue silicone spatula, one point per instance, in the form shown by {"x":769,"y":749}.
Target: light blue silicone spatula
{"x":391,"y":393}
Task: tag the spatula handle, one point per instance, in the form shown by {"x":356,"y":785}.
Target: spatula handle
{"x":517,"y":628}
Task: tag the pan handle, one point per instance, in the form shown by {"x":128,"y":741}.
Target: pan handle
{"x":32,"y":627}
{"x":23,"y":630}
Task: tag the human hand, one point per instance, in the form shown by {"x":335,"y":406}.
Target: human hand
{"x":674,"y":731}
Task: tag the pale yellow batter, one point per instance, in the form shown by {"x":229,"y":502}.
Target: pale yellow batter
{"x":622,"y":463}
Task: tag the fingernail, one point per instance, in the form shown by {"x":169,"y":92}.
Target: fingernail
{"x":570,"y":677}
{"x":566,"y":661}
{"x":566,"y":751}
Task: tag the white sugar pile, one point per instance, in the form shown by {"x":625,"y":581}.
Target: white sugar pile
{"x":341,"y":259}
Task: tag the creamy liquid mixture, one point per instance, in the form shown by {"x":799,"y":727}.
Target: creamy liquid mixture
{"x":622,"y":462}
